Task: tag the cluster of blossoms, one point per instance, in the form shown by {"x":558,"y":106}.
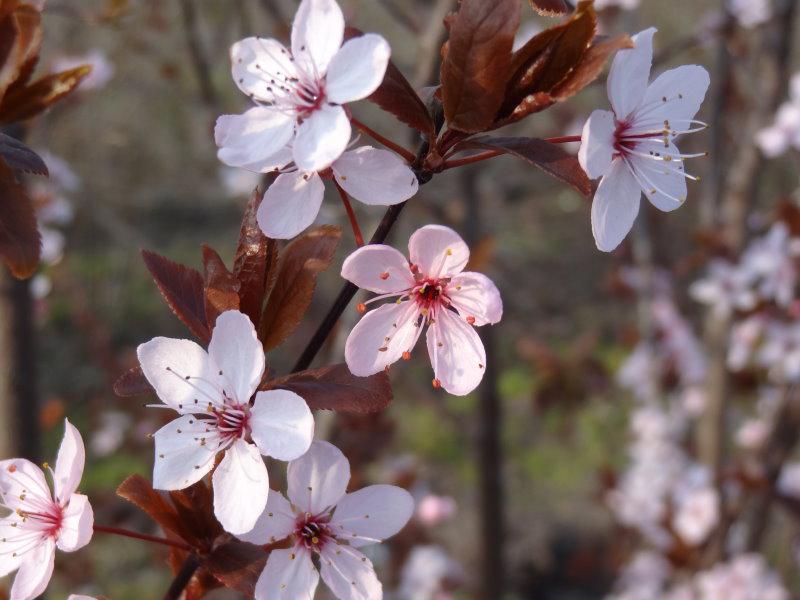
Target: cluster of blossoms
{"x":784,"y":133}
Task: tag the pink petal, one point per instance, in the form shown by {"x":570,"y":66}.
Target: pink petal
{"x":476,"y":298}
{"x":289,"y":575}
{"x":290,"y":204}
{"x":597,"y":143}
{"x":282,"y":424}
{"x":321,"y":138}
{"x":615,"y":206}
{"x":349,"y":574}
{"x":663,"y":182}
{"x":241,"y":486}
{"x":438,"y":251}
{"x":69,"y":463}
{"x":236,"y":351}
{"x":381,"y":337}
{"x":318,"y":480}
{"x":257,"y":62}
{"x":181,"y":456}
{"x":456,"y":353}
{"x":378,"y":268}
{"x":34,"y":573}
{"x":684,"y":89}
{"x":275,"y":523}
{"x":374,"y":513}
{"x":374,"y":176}
{"x":8,"y":530}
{"x":76,"y":529}
{"x":630,"y":72}
{"x":18,"y":477}
{"x":317,"y":34}
{"x":358,"y":68}
{"x":255,"y":140}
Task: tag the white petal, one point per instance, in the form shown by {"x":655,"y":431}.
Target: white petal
{"x":321,"y":138}
{"x":182,"y":458}
{"x":630,"y":72}
{"x":255,"y":140}
{"x":275,"y":523}
{"x":289,"y":575}
{"x":69,"y":463}
{"x":381,"y":337}
{"x":438,"y":251}
{"x":597,"y":143}
{"x":378,"y":268}
{"x":358,"y":68}
{"x":317,"y":34}
{"x":167,"y":362}
{"x":374,"y":176}
{"x":456,"y":353}
{"x":475,"y":295}
{"x":318,"y":480}
{"x":662,"y":182}
{"x":349,"y":574}
{"x":257,"y":64}
{"x":18,"y":477}
{"x":76,"y":529}
{"x":684,"y":89}
{"x":376,"y":513}
{"x":282,"y":424}
{"x":235,"y":349}
{"x":241,"y":486}
{"x":290,"y":204}
{"x":615,"y":207}
{"x":34,"y":573}
{"x":8,"y":529}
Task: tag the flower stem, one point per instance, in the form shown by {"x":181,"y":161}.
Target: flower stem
{"x":460,"y":162}
{"x":183,"y":577}
{"x":142,"y":536}
{"x":564,"y":139}
{"x":350,"y":215}
{"x":406,"y":154}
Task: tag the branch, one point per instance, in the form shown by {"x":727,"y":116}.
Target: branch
{"x":199,"y":59}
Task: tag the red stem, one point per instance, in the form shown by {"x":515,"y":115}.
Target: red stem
{"x":564,"y":139}
{"x":142,"y":536}
{"x":350,"y":215}
{"x":406,"y":154}
{"x":460,"y":162}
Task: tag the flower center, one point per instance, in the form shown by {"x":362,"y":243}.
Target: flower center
{"x":430,"y":294}
{"x":313,"y":531}
{"x":45,"y":519}
{"x":233,"y":421}
{"x":309,"y":97}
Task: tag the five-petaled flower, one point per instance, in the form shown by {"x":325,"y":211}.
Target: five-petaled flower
{"x":42,"y":520}
{"x":431,"y":289}
{"x":299,"y":93}
{"x":321,"y":519}
{"x":211,"y":391}
{"x":632,"y":148}
{"x":371,"y":175}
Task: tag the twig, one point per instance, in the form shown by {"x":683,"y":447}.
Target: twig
{"x":406,"y":154}
{"x":199,"y":59}
{"x":142,"y":536}
{"x":183,"y":577}
{"x":351,"y":215}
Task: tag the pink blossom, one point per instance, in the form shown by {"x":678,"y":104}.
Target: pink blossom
{"x":323,"y":521}
{"x":432,"y":289}
{"x":40,"y":520}
{"x":432,"y":510}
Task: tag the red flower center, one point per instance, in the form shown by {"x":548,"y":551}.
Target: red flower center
{"x":313,"y":531}
{"x":233,"y":421}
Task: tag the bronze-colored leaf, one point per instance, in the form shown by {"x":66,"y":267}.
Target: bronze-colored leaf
{"x":548,"y":157}
{"x":336,"y":388}
{"x":20,"y":42}
{"x":132,"y":383}
{"x":300,"y":262}
{"x":19,"y":157}
{"x":221,"y":288}
{"x":195,"y":508}
{"x":20,"y":242}
{"x":254,"y":263}
{"x":138,"y":491}
{"x":550,"y":8}
{"x":476,"y":62}
{"x":591,"y":66}
{"x":182,"y":288}
{"x":23,"y":103}
{"x":237,"y":565}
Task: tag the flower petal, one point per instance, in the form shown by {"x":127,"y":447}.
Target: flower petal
{"x":35,"y":572}
{"x":9,"y":528}
{"x":678,"y":94}
{"x":358,"y":68}
{"x":317,"y":34}
{"x":615,"y":206}
{"x":76,"y":528}
{"x":374,"y":176}
{"x":349,"y":574}
{"x":318,"y":479}
{"x":167,"y":363}
{"x":475,"y":295}
{"x":290,"y":204}
{"x":241,"y":487}
{"x":275,"y":523}
{"x":597,"y":143}
{"x":182,"y":455}
{"x":381,"y":337}
{"x":282,"y":424}
{"x":378,"y":268}
{"x":438,"y":251}
{"x":375,"y":513}
{"x":630,"y":72}
{"x":321,"y":138}
{"x":69,"y":463}
{"x":663,"y":182}
{"x":255,"y":140}
{"x":456,"y":353}
{"x":257,"y":64}
{"x":289,"y":575}
{"x":235,"y":349}
{"x":19,"y":477}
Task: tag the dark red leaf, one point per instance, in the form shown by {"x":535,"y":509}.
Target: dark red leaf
{"x":476,"y":62}
{"x":19,"y":157}
{"x":221,"y":288}
{"x":335,"y":388}
{"x":182,"y":288}
{"x":550,"y":8}
{"x":138,"y":491}
{"x":195,"y":508}
{"x":132,"y":383}
{"x":20,"y":242}
{"x":591,"y":65}
{"x":20,"y":42}
{"x":26,"y":102}
{"x":237,"y":565}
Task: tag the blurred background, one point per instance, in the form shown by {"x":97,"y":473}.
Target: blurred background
{"x":514,"y":483}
